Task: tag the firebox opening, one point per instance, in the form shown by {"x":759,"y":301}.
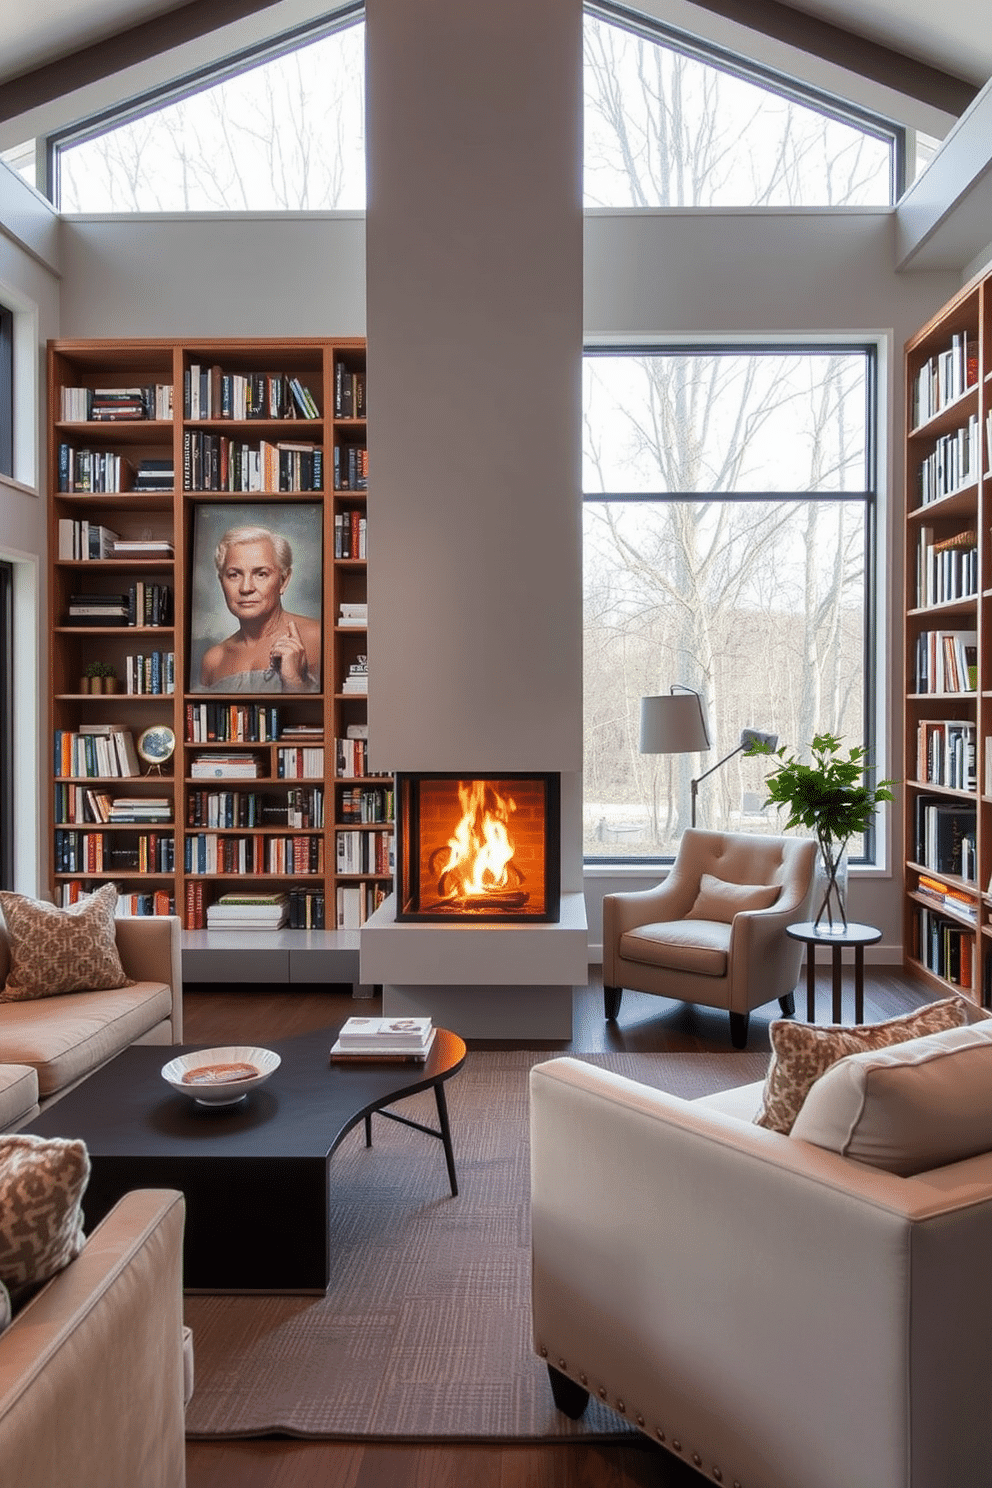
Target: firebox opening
{"x":478,"y":848}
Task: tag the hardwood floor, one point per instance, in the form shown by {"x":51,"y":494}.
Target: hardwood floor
{"x":645,"y":1024}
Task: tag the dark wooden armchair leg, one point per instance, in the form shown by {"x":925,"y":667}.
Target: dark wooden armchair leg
{"x":738,"y":1029}
{"x":611,"y":1000}
{"x":788,"y":1005}
{"x":570,"y":1398}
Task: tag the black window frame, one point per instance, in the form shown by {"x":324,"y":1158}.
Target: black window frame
{"x":869,"y":497}
{"x":6,"y":391}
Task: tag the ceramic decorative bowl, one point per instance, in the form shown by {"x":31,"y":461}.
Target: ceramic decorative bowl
{"x":220,"y":1077}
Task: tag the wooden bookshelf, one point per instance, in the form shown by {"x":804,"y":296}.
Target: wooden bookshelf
{"x":269,"y":433}
{"x":947,"y":819}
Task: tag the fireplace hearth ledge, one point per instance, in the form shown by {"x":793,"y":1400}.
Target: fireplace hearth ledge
{"x":482,"y":981}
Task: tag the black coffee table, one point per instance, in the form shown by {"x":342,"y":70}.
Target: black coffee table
{"x":256,"y":1175}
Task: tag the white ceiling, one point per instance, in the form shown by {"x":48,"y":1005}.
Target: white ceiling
{"x":953,"y":36}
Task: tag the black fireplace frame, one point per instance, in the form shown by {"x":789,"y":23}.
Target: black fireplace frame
{"x":407,"y":807}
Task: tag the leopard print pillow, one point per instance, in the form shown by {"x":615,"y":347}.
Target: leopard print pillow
{"x":802,"y":1052}
{"x":61,"y":950}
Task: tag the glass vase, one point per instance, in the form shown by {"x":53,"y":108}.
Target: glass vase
{"x":830,"y":890}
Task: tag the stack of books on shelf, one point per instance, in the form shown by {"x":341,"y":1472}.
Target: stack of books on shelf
{"x":154,"y":674}
{"x":212,"y":393}
{"x":97,"y":609}
{"x":948,"y":897}
{"x":98,"y":749}
{"x":945,"y":376}
{"x":349,"y":392}
{"x":946,"y":661}
{"x":946,"y":570}
{"x":142,"y":547}
{"x":155,"y":475}
{"x":384,"y":1038}
{"x":350,"y":535}
{"x":248,"y":912}
{"x":351,"y":471}
{"x":307,"y":909}
{"x":225,"y":767}
{"x":140,"y":809}
{"x":357,"y":678}
{"x":85,"y":471}
{"x":353,"y":616}
{"x":952,"y":465}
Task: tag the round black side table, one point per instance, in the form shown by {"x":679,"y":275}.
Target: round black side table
{"x":857,"y":936}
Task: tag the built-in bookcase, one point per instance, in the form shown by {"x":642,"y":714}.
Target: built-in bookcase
{"x":948,"y":648}
{"x":152,"y":446}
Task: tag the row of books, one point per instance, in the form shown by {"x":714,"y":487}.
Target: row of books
{"x":945,"y":948}
{"x":944,"y":377}
{"x":83,"y":541}
{"x":354,"y":903}
{"x":107,"y":405}
{"x":153,"y":674}
{"x":129,"y":904}
{"x":945,"y":753}
{"x":145,"y":605}
{"x":96,"y":750}
{"x":307,"y":909}
{"x":209,"y":852}
{"x":953,"y":463}
{"x":946,"y":661}
{"x":304,"y":762}
{"x":223,"y":723}
{"x":351,"y":758}
{"x":351,"y":467}
{"x":945,"y":837}
{"x":78,"y":804}
{"x":350,"y":535}
{"x":210,"y":392}
{"x":92,"y":472}
{"x":215,"y":462}
{"x":298,"y":807}
{"x":947,"y":569}
{"x":366,"y":804}
{"x":365,"y":852}
{"x":384,"y":1038}
{"x":349,"y":392}
{"x":104,"y":852}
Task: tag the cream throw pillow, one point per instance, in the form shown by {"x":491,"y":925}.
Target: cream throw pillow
{"x":908,"y":1108}
{"x":802,"y":1052}
{"x":720,"y":900}
{"x":61,"y":950}
{"x":41,"y":1222}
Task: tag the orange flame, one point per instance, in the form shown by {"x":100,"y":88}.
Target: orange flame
{"x":480,"y":848}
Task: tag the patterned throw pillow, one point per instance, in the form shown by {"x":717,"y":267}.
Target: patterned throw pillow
{"x":6,"y":1310}
{"x":61,"y":950}
{"x":41,"y":1222}
{"x":801,"y":1052}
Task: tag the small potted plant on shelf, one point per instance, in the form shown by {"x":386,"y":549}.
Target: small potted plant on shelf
{"x":100,"y":676}
{"x":831,"y":797}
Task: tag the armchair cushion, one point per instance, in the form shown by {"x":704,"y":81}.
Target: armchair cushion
{"x":917,"y":1105}
{"x":698,"y":946}
{"x":719,"y":900}
{"x":802,"y":1052}
{"x":54,"y":950}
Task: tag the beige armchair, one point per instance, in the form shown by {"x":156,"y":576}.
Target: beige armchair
{"x":714,"y":931}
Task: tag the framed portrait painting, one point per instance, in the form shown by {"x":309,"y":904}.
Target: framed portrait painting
{"x":255,"y":597}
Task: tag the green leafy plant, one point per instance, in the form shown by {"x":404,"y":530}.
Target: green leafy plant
{"x":100,"y":669}
{"x":830,"y":796}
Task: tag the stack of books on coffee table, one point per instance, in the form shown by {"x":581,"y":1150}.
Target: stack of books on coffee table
{"x":384,"y":1038}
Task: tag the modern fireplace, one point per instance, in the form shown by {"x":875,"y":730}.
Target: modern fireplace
{"x":478,"y":849}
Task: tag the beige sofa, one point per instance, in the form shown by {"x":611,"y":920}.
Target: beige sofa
{"x":95,"y":1369}
{"x":50,"y":1044}
{"x":773,"y":1312}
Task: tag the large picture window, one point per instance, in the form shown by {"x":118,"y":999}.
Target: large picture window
{"x":729,"y":530}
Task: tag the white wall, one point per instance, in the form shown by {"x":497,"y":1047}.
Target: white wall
{"x":29,"y":286}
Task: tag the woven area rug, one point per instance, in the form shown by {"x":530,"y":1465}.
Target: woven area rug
{"x":424,"y":1332}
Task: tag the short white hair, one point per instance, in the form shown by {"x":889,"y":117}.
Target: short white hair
{"x":235,"y":535}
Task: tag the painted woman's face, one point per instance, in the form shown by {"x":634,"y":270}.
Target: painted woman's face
{"x":252,"y":580}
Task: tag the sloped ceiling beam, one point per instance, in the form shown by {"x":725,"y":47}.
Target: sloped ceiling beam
{"x":127,"y":48}
{"x":869,"y":59}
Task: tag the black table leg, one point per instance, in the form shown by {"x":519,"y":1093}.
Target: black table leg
{"x":442,"y":1117}
{"x":859,"y":984}
{"x":837,"y":970}
{"x":810,"y":983}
